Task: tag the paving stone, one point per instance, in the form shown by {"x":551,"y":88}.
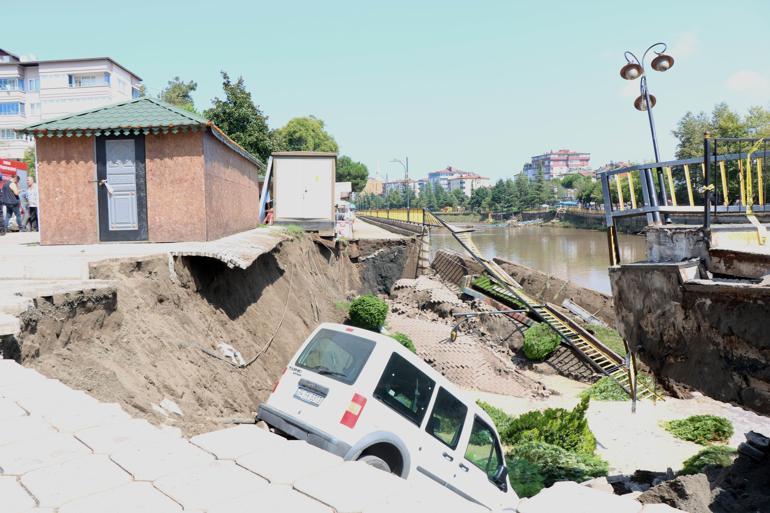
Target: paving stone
{"x":72,"y":411}
{"x":351,"y":487}
{"x":273,"y":499}
{"x":285,"y":463}
{"x":33,"y":384}
{"x":25,"y":456}
{"x":147,"y":461}
{"x":108,"y":438}
{"x":576,"y":498}
{"x":426,"y":495}
{"x":54,"y":485}
{"x":10,"y":410}
{"x":13,"y":497}
{"x":23,"y":428}
{"x":131,"y":498}
{"x":205,"y":486}
{"x":230,"y":443}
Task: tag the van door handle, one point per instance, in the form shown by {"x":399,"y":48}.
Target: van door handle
{"x":448,"y":456}
{"x":463,"y":467}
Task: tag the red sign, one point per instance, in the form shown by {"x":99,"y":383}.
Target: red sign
{"x":10,"y":168}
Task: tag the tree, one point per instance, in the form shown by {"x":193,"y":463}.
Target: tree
{"x":459,"y":197}
{"x":29,"y":160}
{"x":241,"y":119}
{"x":351,"y":171}
{"x":394,"y":199}
{"x":427,"y":199}
{"x":179,"y":93}
{"x":304,"y":134}
{"x":478,"y":197}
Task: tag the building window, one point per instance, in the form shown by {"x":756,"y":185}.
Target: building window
{"x":88,"y":80}
{"x":34,"y":108}
{"x":11,"y":84}
{"x":33,"y":84}
{"x":11,"y":109}
{"x":136,"y":93}
{"x":7,"y":133}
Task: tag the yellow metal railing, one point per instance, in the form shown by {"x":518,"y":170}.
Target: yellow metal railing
{"x":406,"y":215}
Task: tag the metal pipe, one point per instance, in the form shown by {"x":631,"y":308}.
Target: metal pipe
{"x":706,"y":188}
{"x":654,"y":197}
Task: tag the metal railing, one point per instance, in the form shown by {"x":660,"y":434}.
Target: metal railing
{"x":418,"y":216}
{"x":730,"y":178}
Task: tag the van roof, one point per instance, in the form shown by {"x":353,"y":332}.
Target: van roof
{"x":392,"y":344}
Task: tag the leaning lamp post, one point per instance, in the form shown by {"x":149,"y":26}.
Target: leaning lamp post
{"x":634,"y":69}
{"x":405,"y":164}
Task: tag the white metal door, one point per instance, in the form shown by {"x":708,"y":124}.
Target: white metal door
{"x":121,"y":184}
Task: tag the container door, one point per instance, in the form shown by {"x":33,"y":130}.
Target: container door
{"x":122,"y":189}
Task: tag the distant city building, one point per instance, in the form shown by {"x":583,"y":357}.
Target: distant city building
{"x":374,"y":186}
{"x":401,"y":186}
{"x":556,"y":164}
{"x":32,"y":91}
{"x":442,"y":176}
{"x":467,"y":183}
{"x":610,"y":166}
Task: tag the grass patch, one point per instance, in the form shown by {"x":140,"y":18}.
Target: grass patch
{"x":404,"y":340}
{"x":342,"y":305}
{"x":716,"y":455}
{"x":701,"y":429}
{"x":294,"y":231}
{"x":609,"y":337}
{"x":607,"y":389}
{"x":540,"y":341}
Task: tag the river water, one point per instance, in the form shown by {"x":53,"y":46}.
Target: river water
{"x":573,"y":254}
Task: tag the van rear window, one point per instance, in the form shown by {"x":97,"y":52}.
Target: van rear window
{"x":405,"y":388}
{"x":340,"y":356}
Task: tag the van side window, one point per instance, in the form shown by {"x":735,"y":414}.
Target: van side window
{"x":447,"y":418}
{"x":483,"y":450}
{"x":405,"y":388}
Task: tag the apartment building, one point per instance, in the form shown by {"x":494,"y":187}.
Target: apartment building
{"x":557,"y":163}
{"x":32,"y":91}
{"x":467,"y":183}
{"x":401,"y":186}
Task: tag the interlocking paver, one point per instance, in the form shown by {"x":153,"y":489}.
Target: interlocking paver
{"x":23,"y":428}
{"x":54,"y":485}
{"x":287,"y":462}
{"x":148,"y":461}
{"x":273,"y":499}
{"x":72,"y":411}
{"x":10,"y":410}
{"x":351,"y":487}
{"x":38,"y":452}
{"x":131,"y":498}
{"x":205,"y":486}
{"x":13,"y":498}
{"x":108,"y":438}
{"x":230,"y":443}
{"x":422,"y":495}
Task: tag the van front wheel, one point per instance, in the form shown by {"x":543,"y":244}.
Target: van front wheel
{"x":376,"y":462}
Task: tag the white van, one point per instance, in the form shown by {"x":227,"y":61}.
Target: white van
{"x":364,"y":396}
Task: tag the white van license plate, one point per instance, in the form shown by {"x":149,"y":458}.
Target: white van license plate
{"x":309,"y":397}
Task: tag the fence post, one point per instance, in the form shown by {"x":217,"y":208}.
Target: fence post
{"x":706,"y":180}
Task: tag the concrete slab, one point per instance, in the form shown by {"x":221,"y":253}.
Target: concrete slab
{"x":576,"y":498}
{"x":54,"y":485}
{"x":13,"y":497}
{"x":38,"y":452}
{"x":205,"y":486}
{"x":131,"y":498}
{"x":230,"y":443}
{"x":23,"y":428}
{"x":280,"y":463}
{"x":147,"y":461}
{"x":72,"y":410}
{"x":426,"y":495}
{"x":351,"y":487}
{"x":9,"y":410}
{"x":108,"y":438}
{"x":273,"y":499}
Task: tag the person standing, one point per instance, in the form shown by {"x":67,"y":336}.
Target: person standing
{"x":32,"y":202}
{"x":10,"y":197}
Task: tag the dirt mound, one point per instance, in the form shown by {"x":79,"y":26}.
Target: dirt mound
{"x":142,"y":343}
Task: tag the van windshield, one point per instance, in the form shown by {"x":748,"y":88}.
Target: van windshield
{"x":340,"y":356}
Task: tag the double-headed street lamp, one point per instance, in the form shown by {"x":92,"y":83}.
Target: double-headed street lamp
{"x":634,"y":69}
{"x":405,"y":164}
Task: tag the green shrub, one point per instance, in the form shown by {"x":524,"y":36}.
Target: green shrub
{"x":567,"y":429}
{"x":540,"y":341}
{"x":405,"y":341}
{"x":609,"y":337}
{"x":554,"y":463}
{"x":499,"y":417}
{"x":368,"y":312}
{"x":719,"y":455}
{"x":701,"y":429}
{"x":525,"y":477}
{"x":607,"y":389}
{"x":294,"y":231}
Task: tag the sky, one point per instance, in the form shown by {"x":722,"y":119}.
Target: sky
{"x":478,"y":85}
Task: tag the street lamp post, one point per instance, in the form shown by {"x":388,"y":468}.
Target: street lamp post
{"x":405,"y":164}
{"x":634,"y":69}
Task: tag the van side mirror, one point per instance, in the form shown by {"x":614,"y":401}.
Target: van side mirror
{"x":500,"y":478}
